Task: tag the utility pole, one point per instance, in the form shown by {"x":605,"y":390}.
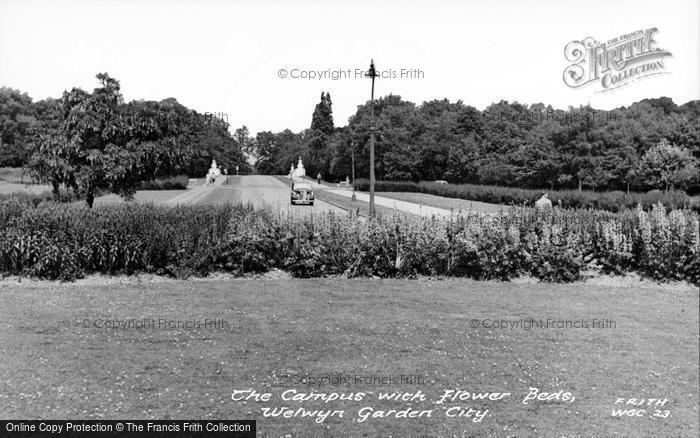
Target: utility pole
{"x":372,"y":73}
{"x":352,"y":157}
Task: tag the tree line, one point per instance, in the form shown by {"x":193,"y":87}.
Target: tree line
{"x":652,"y":144}
{"x":91,"y":142}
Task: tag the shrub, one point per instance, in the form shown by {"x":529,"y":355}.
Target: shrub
{"x":178,"y":182}
{"x":556,"y":264}
{"x":252,"y":242}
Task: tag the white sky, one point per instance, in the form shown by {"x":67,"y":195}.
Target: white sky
{"x":224,"y":57}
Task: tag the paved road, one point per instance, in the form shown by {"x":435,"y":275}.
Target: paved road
{"x":267,"y":191}
{"x":260,"y":190}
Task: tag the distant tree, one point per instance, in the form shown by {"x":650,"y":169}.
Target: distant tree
{"x":291,"y":146}
{"x":438,"y":124}
{"x":462,"y":159}
{"x":215,"y":141}
{"x":242,"y":138}
{"x":667,"y":166}
{"x":507,"y":144}
{"x":322,"y":119}
{"x":17,"y":126}
{"x":266,"y":150}
{"x":321,"y":130}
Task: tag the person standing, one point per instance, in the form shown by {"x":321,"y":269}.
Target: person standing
{"x":318,"y":178}
{"x":544,"y":203}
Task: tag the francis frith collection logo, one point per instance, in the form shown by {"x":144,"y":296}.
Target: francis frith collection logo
{"x":616,"y":62}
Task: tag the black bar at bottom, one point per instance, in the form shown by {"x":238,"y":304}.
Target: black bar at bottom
{"x":127,"y":428}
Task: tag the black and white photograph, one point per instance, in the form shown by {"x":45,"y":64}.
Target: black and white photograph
{"x":306,"y":218}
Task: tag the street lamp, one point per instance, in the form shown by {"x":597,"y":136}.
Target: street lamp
{"x":372,"y":73}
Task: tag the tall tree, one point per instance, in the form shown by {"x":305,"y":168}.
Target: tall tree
{"x":322,"y":119}
{"x":321,"y":129}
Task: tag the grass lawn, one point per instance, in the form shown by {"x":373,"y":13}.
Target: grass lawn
{"x":15,"y":175}
{"x":52,"y":367}
{"x":359,"y":207}
{"x":446,"y":203}
{"x":16,"y":187}
{"x":155,"y":196}
{"x":216,"y":195}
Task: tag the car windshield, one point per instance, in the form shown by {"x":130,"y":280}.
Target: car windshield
{"x":302,"y":186}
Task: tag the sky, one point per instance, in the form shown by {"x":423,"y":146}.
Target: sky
{"x":228,"y":57}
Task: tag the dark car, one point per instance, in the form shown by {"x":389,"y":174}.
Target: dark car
{"x":302,"y":193}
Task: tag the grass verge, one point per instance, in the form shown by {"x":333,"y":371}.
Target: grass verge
{"x":458,"y":205}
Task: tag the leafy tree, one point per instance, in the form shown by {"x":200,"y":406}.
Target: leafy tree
{"x":103,"y":145}
{"x":51,"y":160}
{"x":668,"y":166}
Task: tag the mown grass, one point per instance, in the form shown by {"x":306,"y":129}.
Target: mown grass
{"x":15,"y":175}
{"x":611,"y":201}
{"x":52,"y":367}
{"x":455,"y":204}
{"x":9,"y":188}
{"x":144,"y":196}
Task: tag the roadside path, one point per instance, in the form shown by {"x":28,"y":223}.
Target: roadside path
{"x":407,"y":207}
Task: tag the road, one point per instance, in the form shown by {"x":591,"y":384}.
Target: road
{"x":262,"y":191}
{"x":267,"y":191}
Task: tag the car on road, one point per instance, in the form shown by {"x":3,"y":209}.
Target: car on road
{"x":302,"y":193}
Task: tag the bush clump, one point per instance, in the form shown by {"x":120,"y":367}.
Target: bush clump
{"x":66,"y":241}
{"x":178,"y":182}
